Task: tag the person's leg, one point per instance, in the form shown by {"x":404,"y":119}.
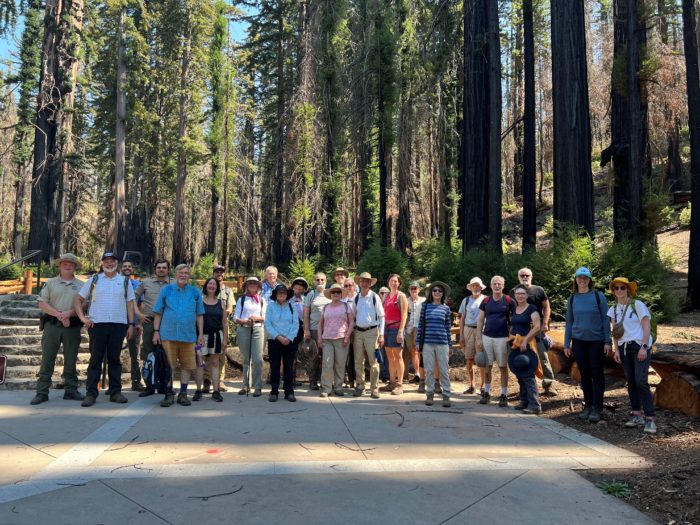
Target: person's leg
{"x":328,"y":367}
{"x":117,"y":332}
{"x":400,"y":368}
{"x":243,"y":338}
{"x":547,"y":371}
{"x":522,"y":394}
{"x":597,"y":360}
{"x":289,"y":357}
{"x":315,"y":365}
{"x":258,"y":336}
{"x":409,"y":345}
{"x":341,"y":358}
{"x":70,"y":339}
{"x":50,"y":343}
{"x":222,"y":370}
{"x":274,"y":352}
{"x":134,"y":358}
{"x":361,"y":350}
{"x":146,"y":340}
{"x":580,"y":351}
{"x":489,"y":347}
{"x":391,"y":358}
{"x":642,"y":378}
{"x":429,"y":365}
{"x":469,"y":353}
{"x":533,"y":398}
{"x":98,"y":348}
{"x":442,"y":353}
{"x":629,"y":356}
{"x":213,"y":365}
{"x":351,"y":372}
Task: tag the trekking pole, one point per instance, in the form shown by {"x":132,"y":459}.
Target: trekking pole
{"x":250,"y":358}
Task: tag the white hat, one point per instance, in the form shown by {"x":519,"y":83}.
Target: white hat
{"x":476,"y":280}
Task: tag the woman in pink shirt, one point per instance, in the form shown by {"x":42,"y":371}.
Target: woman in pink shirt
{"x":396,"y":313}
{"x":334,"y":334}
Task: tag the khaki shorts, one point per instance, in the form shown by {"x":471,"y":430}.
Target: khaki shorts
{"x":409,"y":342}
{"x":182,"y":353}
{"x":496,"y":349}
{"x":469,"y":344}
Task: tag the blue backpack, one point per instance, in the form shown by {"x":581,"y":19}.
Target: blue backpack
{"x":156,"y":371}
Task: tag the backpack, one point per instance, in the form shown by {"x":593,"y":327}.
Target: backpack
{"x":509,"y":301}
{"x":156,"y":371}
{"x":93,"y":285}
{"x":652,"y":322}
{"x":374,"y":304}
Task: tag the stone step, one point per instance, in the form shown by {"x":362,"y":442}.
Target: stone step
{"x":32,"y":349}
{"x":19,"y":330}
{"x":28,"y":339}
{"x":29,"y":383}
{"x":18,"y":297}
{"x":24,"y":321}
{"x":31,"y":312}
{"x":35,"y":360}
{"x":14,"y":303}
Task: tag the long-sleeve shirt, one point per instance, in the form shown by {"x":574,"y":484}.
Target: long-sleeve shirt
{"x":281,"y":320}
{"x":587,"y":319}
{"x":438,"y":321}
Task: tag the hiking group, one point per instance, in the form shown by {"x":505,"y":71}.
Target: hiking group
{"x":342,"y":333}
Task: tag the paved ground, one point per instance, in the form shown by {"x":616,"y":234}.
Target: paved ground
{"x":318,"y":460}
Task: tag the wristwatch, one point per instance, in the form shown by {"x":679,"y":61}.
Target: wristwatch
{"x":645,"y":346}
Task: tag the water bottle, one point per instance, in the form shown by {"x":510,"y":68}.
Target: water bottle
{"x":200,"y":361}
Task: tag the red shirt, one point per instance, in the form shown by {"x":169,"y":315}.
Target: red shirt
{"x":392,"y":311}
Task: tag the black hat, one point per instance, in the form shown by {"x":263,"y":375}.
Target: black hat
{"x":522,"y":364}
{"x":107,"y":255}
{"x":277,"y":288}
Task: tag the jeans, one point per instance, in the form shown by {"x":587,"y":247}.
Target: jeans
{"x":590,"y":356}
{"x":105,"y":338}
{"x":528,"y":392}
{"x":431,"y":352}
{"x":637,"y":374}
{"x":250,"y":342}
{"x":284,"y":355}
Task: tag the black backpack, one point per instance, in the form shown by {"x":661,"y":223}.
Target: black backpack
{"x":156,"y":371}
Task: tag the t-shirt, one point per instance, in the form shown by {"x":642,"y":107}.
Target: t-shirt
{"x":497,"y":316}
{"x":520,"y":324}
{"x":315,"y":302}
{"x":336,"y":320}
{"x":469,"y":309}
{"x":631,"y":322}
{"x":586,"y":319}
{"x":535,"y":295}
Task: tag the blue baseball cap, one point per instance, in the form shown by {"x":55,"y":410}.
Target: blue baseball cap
{"x":107,"y":255}
{"x":584,"y":272}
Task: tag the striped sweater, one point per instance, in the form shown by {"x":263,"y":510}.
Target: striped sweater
{"x":438,"y":320}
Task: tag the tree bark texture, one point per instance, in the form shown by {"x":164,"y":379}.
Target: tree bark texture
{"x":529,"y":147}
{"x":120,"y":142}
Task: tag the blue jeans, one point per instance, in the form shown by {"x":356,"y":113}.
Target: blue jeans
{"x":590,"y":356}
{"x":528,"y":392}
{"x":637,"y":374}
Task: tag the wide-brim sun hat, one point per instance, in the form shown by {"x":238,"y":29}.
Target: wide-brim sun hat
{"x":251,"y":279}
{"x":522,"y":364}
{"x":365,"y":275}
{"x":429,"y":288}
{"x":308,"y":348}
{"x":67,"y":257}
{"x":301,"y":281}
{"x":278,"y":288}
{"x":476,"y":280}
{"x":342,"y":270}
{"x":583,"y":272}
{"x":327,"y":291}
{"x":631,"y":285}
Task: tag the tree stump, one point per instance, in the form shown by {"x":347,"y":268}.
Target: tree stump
{"x":679,"y":389}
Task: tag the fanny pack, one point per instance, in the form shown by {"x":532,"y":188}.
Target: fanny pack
{"x":619,"y":328}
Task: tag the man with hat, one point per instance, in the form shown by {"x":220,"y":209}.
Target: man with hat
{"x":410,"y":356}
{"x":61,"y":327}
{"x":468,"y":319}
{"x":110,"y":299}
{"x":227,"y":300}
{"x":369,"y":334}
{"x":314,"y":303}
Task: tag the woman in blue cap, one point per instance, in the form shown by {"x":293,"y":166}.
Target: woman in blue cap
{"x":587,"y":335}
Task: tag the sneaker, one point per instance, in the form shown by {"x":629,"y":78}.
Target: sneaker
{"x":39,"y":399}
{"x":429,"y":400}
{"x":397,"y":391}
{"x":183,"y":400}
{"x":585,"y":413}
{"x":535,"y":411}
{"x":290,"y":397}
{"x":168,"y":400}
{"x":207,"y":386}
{"x":520,"y":407}
{"x":75,"y":395}
{"x":147,"y":393}
{"x":650,"y":426}
{"x":550,"y":391}
{"x":136,"y":386}
{"x":438,"y":388}
{"x":415,"y":380}
{"x":273,"y":398}
{"x":243,"y":391}
{"x":118,"y":398}
{"x":635,"y":421}
{"x":257,"y":392}
{"x":421,"y":387}
{"x":446,"y":402}
{"x":88,"y":401}
{"x":485,"y":398}
{"x":595,"y":416}
{"x":323,"y":394}
{"x":469,"y":390}
{"x":374,"y":394}
{"x":502,"y":401}
{"x":387,"y":388}
{"x":197,"y":395}
{"x":357,"y":392}
{"x":314,"y":386}
{"x":339,"y":392}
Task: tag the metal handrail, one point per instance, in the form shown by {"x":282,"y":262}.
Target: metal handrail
{"x":29,"y":255}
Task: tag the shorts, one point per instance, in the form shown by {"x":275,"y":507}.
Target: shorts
{"x":182,"y":353}
{"x":213,"y":343}
{"x":410,"y":342}
{"x":390,"y":335}
{"x":496,"y":349}
{"x":469,"y":344}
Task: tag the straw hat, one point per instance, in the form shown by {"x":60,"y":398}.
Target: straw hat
{"x":365,"y":275}
{"x":67,"y":257}
{"x":429,"y":288}
{"x":251,"y":280}
{"x":476,"y":280}
{"x":631,"y":285}
{"x":336,"y":286}
{"x":300,"y":280}
{"x":342,"y":270}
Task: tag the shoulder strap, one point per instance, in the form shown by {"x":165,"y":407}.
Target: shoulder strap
{"x":423,"y":309}
{"x":126,"y":288}
{"x":508,"y":299}
{"x":486,"y":300}
{"x":357,"y":299}
{"x":243,"y":303}
{"x":570,"y":307}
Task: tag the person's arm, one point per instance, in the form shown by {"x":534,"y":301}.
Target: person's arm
{"x":448,"y":325}
{"x":479,"y":330}
{"x":307,"y":322}
{"x":534,"y":331}
{"x":381,"y":321}
{"x":130,"y":318}
{"x":546,"y":315}
{"x":403,"y":305}
{"x":270,"y":323}
{"x":157,"y":319}
{"x":320,"y":328}
{"x":568,"y":326}
{"x":200,"y":329}
{"x":607,"y":332}
{"x":351,"y":326}
{"x":462,"y":317}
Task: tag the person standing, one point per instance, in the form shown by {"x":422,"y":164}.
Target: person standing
{"x":215,"y":323}
{"x":109,"y":318}
{"x":369,"y":333}
{"x":537,"y":297}
{"x":587,"y":336}
{"x":269,"y":283}
{"x":334,"y":334}
{"x":314,"y":302}
{"x":350,"y":372}
{"x":61,"y":328}
{"x":281,"y":327}
{"x":410,"y":354}
{"x":434,"y":340}
{"x":136,"y":385}
{"x":384,"y":366}
{"x":148,"y":290}
{"x":178,"y":318}
{"x":227,"y":300}
{"x":468,"y":319}
{"x":298,"y":289}
{"x":525,"y":322}
{"x":249,"y":318}
{"x":396,"y":312}
{"x":492,"y":337}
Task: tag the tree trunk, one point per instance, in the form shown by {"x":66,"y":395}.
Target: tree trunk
{"x":529,"y":148}
{"x":573,"y":178}
{"x":120,"y":141}
{"x":690,"y":41}
{"x":18,"y":223}
{"x":279,"y":242}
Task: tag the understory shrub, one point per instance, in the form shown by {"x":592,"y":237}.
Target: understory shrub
{"x":302,"y":268}
{"x":382,"y":261}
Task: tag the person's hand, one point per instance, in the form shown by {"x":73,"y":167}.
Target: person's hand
{"x":87,"y":323}
{"x":523,"y":345}
{"x":567,"y":351}
{"x":380,"y":341}
{"x":200,"y":340}
{"x":399,"y":337}
{"x":307,"y":335}
{"x":139,"y":330}
{"x":617,"y":357}
{"x":545,"y":327}
{"x":130,"y":332}
{"x":146,"y":319}
{"x":249,"y":322}
{"x":642,"y":355}
{"x":607,"y":349}
{"x":156,"y":338}
{"x":346,"y":340}
{"x":479,"y":345}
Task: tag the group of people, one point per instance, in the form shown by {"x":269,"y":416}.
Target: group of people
{"x":337,"y":331}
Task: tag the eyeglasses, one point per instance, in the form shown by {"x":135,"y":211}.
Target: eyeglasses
{"x":348,"y":286}
{"x":623,"y":287}
{"x":336,"y":292}
{"x":525,"y":275}
{"x":437,"y":290}
{"x":320,"y":280}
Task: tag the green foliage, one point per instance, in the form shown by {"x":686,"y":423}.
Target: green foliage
{"x":302,"y":268}
{"x":618,"y":489}
{"x":657,"y":213}
{"x":203,"y":268}
{"x":12,"y":272}
{"x":684,"y":216}
{"x":426,"y":254}
{"x":548,"y":227}
{"x":382,"y":261}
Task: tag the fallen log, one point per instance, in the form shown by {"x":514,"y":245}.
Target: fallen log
{"x":560,"y":363}
{"x":680,"y":392}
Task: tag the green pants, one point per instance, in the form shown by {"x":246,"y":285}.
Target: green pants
{"x":53,"y":337}
{"x":146,"y":340}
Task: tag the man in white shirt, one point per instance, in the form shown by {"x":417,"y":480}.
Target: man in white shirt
{"x":369,"y":334}
{"x":110,"y":299}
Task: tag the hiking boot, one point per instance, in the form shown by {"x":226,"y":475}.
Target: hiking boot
{"x":585,"y":413}
{"x":438,"y":388}
{"x":650,"y":426}
{"x":397,"y":391}
{"x":339,"y":392}
{"x":147,"y":392}
{"x":257,"y":392}
{"x":273,"y":398}
{"x":207,"y":386}
{"x":535,"y":411}
{"x":429,"y":400}
{"x":39,"y":399}
{"x":88,"y":401}
{"x":136,"y":386}
{"x":243,"y":391}
{"x":485,"y":398}
{"x":118,"y":398}
{"x":357,"y":392}
{"x":74,"y":395}
{"x":503,"y":401}
{"x":387,"y":388}
{"x":469,"y":390}
{"x":314,"y":386}
{"x":421,"y":387}
{"x":216,"y":396}
{"x":290,"y":397}
{"x":168,"y":400}
{"x":634,"y":421}
{"x":446,"y":402}
{"x":197,"y":395}
{"x":183,"y":400}
{"x":595,"y":416}
{"x":550,"y":391}
{"x":520,"y":407}
{"x":374,"y":394}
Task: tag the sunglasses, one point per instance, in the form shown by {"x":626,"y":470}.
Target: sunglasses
{"x":336,"y":292}
{"x":349,"y":286}
{"x":320,"y":280}
{"x":438,"y":290}
{"x":623,"y":287}
{"x":525,"y":275}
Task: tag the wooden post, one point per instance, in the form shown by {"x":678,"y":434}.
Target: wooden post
{"x":28,"y":276}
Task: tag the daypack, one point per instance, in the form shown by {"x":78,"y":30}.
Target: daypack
{"x":652,"y":322}
{"x":509,"y":302}
{"x":374,"y":303}
{"x":156,"y":371}
{"x":93,"y":285}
